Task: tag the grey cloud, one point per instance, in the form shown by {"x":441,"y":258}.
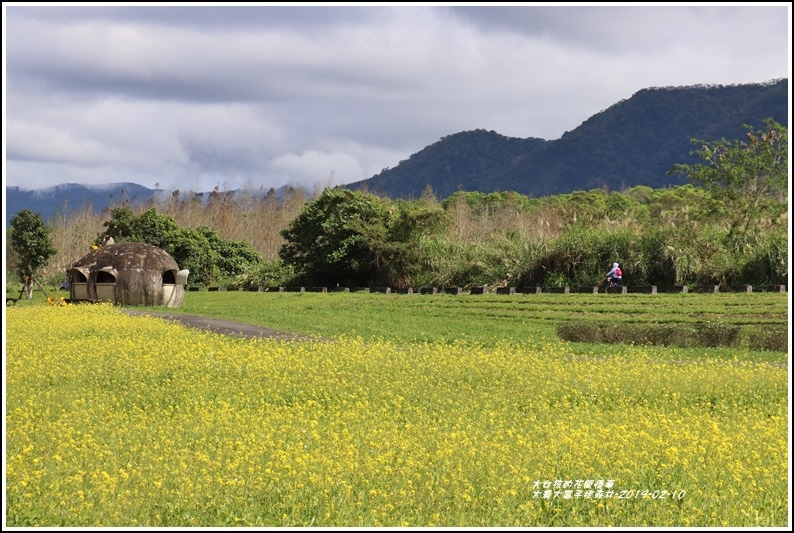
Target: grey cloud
{"x":203,"y":17}
{"x":619,"y":29}
{"x":189,"y":65}
{"x":216,"y":94}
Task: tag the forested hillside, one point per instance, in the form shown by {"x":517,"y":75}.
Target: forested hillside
{"x":634,"y":142}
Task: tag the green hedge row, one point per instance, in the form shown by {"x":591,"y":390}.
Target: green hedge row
{"x":700,"y":334}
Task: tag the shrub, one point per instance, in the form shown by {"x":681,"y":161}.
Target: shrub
{"x":653,"y":334}
{"x":706,"y":334}
{"x":715,"y":334}
{"x":273,"y":273}
{"x":767,"y":263}
{"x":769,"y":338}
{"x":578,"y":332}
{"x":56,"y":279}
{"x":667,"y":335}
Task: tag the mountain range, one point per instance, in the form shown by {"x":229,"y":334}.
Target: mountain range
{"x":633,"y":142}
{"x":71,"y":197}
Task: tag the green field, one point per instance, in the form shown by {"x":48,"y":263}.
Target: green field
{"x":489,"y":318}
{"x":411,"y":410}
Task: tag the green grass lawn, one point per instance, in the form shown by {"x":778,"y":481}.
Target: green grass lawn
{"x":442,"y":318}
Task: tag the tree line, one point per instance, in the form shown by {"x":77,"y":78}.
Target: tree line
{"x":729,"y":225}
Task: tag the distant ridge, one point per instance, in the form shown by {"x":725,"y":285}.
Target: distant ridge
{"x":71,"y":197}
{"x":633,"y":142}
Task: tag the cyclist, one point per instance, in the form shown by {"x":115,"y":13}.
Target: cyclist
{"x":615,"y":276}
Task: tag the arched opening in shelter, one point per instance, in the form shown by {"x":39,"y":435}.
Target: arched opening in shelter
{"x":79,"y":283}
{"x":105,"y":277}
{"x":169,"y":286}
{"x":105,"y":285}
{"x":169,"y":277}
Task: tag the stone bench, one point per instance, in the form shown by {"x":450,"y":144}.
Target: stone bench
{"x":646,"y":289}
{"x":742,"y":288}
{"x":407,"y":290}
{"x":530,"y":290}
{"x":559,"y":290}
{"x":317,"y":289}
{"x":588,"y":289}
{"x":711,"y":289}
{"x":674,"y":289}
{"x":505,"y":290}
{"x":294,"y":289}
{"x":773,"y":288}
{"x":616,"y":290}
{"x":383,"y":290}
{"x":453,"y":290}
{"x":479,"y":290}
{"x":428,"y":290}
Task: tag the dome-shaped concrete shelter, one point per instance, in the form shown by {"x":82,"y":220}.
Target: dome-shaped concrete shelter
{"x":128,"y":273}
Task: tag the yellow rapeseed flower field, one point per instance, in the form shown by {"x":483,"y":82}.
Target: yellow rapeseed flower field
{"x":115,"y":420}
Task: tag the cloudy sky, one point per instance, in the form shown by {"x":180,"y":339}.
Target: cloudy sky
{"x":193,"y":97}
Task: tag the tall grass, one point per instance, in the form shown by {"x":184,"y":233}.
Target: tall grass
{"x":661,"y":237}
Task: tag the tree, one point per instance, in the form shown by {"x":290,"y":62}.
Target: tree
{"x":202,"y":251}
{"x":337,"y":238}
{"x":749,"y":179}
{"x":354,"y":238}
{"x":149,"y":227}
{"x":32,"y":243}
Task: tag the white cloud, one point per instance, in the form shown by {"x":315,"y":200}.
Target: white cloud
{"x":317,"y":167}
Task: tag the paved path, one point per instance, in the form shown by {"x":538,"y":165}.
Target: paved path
{"x":223,"y":327}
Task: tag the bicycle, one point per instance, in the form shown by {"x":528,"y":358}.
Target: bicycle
{"x":610,"y":283}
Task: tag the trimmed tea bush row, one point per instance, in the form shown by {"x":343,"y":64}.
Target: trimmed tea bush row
{"x":702,"y":334}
